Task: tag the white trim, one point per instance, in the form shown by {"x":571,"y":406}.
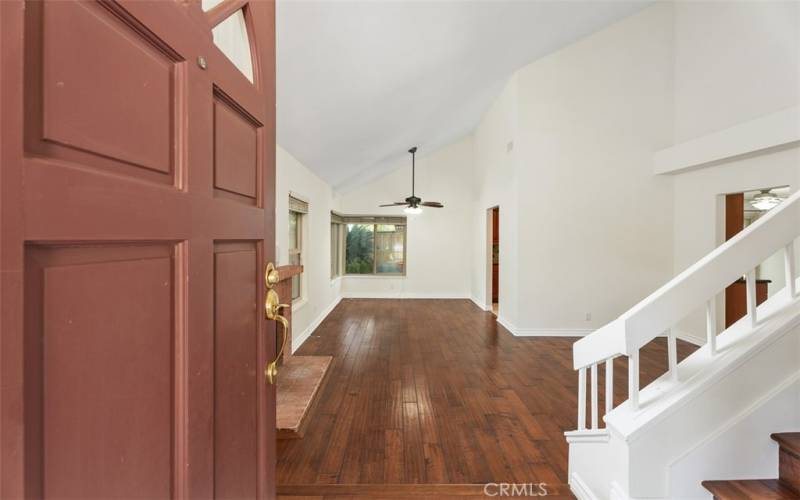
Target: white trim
{"x":689,"y":337}
{"x":403,"y":295}
{"x":297,"y":340}
{"x":733,"y":421}
{"x":588,"y":436}
{"x":298,"y":303}
{"x":374,"y":276}
{"x":580,"y":489}
{"x":769,"y":131}
{"x":553,"y":332}
{"x":542,"y":332}
{"x":617,"y":493}
{"x":483,"y":307}
{"x":502,"y":321}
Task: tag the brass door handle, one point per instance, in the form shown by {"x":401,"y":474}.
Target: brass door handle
{"x":271,"y":370}
{"x":272,"y":309}
{"x":271,"y":276}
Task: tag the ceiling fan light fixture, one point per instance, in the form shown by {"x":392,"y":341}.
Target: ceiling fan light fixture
{"x":413,"y":204}
{"x":765,"y":200}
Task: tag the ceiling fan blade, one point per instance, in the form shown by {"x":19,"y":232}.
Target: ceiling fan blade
{"x":395,"y":204}
{"x":433,"y":204}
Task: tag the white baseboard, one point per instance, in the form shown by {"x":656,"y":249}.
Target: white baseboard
{"x":543,"y":332}
{"x":403,"y":295}
{"x":689,"y":337}
{"x":552,"y":332}
{"x":580,"y":489}
{"x":478,"y":303}
{"x":588,"y":436}
{"x":297,"y":340}
{"x":617,"y":493}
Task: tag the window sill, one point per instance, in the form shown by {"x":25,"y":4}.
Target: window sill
{"x":299,"y":303}
{"x":375,"y":276}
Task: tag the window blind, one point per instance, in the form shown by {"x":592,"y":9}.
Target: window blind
{"x":298,"y":205}
{"x":373,"y":219}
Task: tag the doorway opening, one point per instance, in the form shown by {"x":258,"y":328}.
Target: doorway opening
{"x":741,"y":210}
{"x":493,"y":259}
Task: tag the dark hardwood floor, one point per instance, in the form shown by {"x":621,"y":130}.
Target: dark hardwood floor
{"x":435,"y":392}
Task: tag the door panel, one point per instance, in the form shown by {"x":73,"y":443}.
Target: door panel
{"x":136,"y":214}
{"x":236,"y":370}
{"x":236,"y":149}
{"x":86,"y":109}
{"x":104,"y":371}
{"x":88,"y":114}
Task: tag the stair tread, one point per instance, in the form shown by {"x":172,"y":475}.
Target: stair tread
{"x":739,"y":489}
{"x":790,"y":441}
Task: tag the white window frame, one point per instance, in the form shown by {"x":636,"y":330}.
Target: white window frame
{"x":375,"y":221}
{"x":338,"y":241}
{"x":300,"y":208}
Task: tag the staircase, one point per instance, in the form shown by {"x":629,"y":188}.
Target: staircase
{"x":708,"y":416}
{"x":787,"y":486}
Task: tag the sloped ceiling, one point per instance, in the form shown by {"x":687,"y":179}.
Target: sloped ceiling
{"x":361,"y":82}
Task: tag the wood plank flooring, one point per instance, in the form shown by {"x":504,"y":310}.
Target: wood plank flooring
{"x":435,"y":392}
{"x":761,"y":489}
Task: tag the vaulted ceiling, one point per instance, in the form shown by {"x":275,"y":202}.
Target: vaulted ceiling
{"x":361,"y":82}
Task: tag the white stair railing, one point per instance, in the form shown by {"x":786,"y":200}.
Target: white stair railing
{"x":697,"y":285}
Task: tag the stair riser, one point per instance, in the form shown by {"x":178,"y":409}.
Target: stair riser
{"x":789,"y":469}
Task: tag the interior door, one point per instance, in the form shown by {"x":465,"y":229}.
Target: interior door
{"x":136,"y":216}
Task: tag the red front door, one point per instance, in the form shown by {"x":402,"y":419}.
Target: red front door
{"x":136,"y":216}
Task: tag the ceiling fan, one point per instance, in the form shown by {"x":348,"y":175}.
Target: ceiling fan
{"x":413,"y":203}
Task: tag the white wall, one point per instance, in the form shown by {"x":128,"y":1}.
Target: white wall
{"x":438,"y":240}
{"x":566,"y":151}
{"x":495,"y":184}
{"x":741,"y":449}
{"x":320,"y":293}
{"x":734,"y":62}
{"x":586,"y":229}
{"x":595,"y":224}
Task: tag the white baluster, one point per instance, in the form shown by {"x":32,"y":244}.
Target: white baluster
{"x":633,"y":379}
{"x":672,"y":354}
{"x":788,"y":260}
{"x":594,"y":396}
{"x":609,"y":385}
{"x":582,"y":399}
{"x":750,"y":283}
{"x":711,"y":325}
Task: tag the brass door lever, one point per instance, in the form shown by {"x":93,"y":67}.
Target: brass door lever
{"x":272,"y":311}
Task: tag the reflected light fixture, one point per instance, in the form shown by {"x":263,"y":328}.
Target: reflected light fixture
{"x":765,"y":200}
